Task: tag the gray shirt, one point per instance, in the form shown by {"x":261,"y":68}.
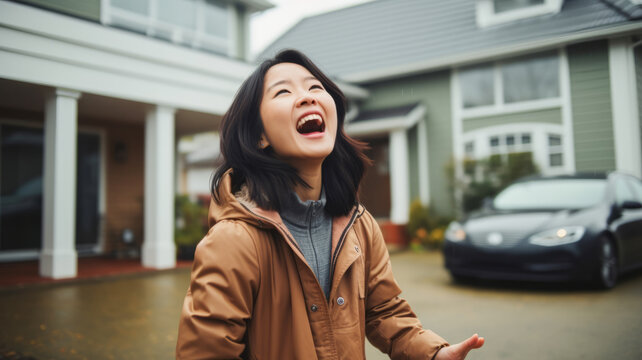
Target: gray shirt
{"x":311,"y":227}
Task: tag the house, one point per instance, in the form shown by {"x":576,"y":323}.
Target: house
{"x":93,"y":97}
{"x":457,"y":79}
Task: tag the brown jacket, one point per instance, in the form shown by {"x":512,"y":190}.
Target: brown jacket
{"x":253,"y":296}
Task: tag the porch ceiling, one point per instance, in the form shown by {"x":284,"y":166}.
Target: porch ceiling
{"x":21,"y":97}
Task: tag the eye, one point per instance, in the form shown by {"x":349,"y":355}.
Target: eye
{"x":282,"y":91}
{"x":316,"y":86}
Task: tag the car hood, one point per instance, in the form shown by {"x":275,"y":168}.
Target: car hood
{"x":518,"y":225}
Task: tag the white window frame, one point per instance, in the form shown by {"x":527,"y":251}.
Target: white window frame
{"x":538,"y":146}
{"x":486,"y":15}
{"x":500,"y":107}
{"x":150,"y":24}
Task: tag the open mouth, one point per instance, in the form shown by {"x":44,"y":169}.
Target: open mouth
{"x":310,"y":124}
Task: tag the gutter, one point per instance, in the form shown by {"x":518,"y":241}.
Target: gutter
{"x":473,"y":57}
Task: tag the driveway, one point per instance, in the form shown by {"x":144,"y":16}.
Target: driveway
{"x":135,"y":317}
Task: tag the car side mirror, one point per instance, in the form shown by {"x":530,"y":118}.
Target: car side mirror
{"x":630,"y":204}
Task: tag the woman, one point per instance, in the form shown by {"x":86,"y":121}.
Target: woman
{"x":293,"y":267}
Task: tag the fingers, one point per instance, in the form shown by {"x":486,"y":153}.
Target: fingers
{"x":474,"y":342}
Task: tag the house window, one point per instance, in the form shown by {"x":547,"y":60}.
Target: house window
{"x":493,"y":12}
{"x":524,"y":79}
{"x":469,"y":149}
{"x":555,"y":158}
{"x":531,"y":79}
{"x":478,"y":86}
{"x":203,"y":24}
{"x":508,"y":5}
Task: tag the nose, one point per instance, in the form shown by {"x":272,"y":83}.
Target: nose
{"x":306,"y":99}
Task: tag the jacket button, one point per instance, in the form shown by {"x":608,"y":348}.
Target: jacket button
{"x":356,"y":248}
{"x":341,"y":301}
{"x":314,"y":308}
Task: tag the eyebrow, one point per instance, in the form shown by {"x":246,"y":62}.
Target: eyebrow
{"x":280,"y":82}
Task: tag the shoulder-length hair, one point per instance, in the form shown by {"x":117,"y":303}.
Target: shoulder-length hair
{"x":268,"y":179}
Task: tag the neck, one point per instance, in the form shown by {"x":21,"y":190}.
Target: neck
{"x":313,"y":178}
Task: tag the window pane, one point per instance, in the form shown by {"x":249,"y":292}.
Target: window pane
{"x":555,"y":160}
{"x":216,"y":18}
{"x":531,"y":79}
{"x":477,"y":86}
{"x":507,"y":5}
{"x":526,"y":138}
{"x":178,"y":12}
{"x":510,"y":140}
{"x":470,"y":148}
{"x":137,"y":6}
{"x":554,"y":140}
{"x":494,"y":141}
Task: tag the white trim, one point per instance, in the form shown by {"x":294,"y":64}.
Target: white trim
{"x":513,"y":108}
{"x":486,"y":15}
{"x":423,"y":158}
{"x":473,"y":57}
{"x":387,"y":125}
{"x":539,"y":142}
{"x":457,"y":134}
{"x":568,"y":153}
{"x":46,"y":48}
{"x":233,"y":37}
{"x":399,"y":177}
{"x":626,"y":126}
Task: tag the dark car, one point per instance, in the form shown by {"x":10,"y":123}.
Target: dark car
{"x":563,"y":228}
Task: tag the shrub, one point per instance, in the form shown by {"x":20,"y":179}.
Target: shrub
{"x":191,"y":221}
{"x":425,"y":230}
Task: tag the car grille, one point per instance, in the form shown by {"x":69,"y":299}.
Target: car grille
{"x":509,"y":239}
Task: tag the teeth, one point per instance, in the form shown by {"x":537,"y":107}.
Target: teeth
{"x":310,"y":117}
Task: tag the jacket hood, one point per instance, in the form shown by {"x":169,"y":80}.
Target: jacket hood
{"x":232,"y":206}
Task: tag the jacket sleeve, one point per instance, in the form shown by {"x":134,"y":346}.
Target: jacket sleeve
{"x":391,"y":325}
{"x":220,"y":298}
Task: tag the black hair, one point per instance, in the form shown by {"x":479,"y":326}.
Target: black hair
{"x":268,"y":179}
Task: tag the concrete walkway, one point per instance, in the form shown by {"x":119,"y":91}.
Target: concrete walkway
{"x":135,"y":317}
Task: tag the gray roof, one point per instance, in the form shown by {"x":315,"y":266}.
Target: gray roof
{"x":370,"y":115}
{"x":387,"y":34}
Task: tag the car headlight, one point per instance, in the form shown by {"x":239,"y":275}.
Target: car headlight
{"x":559,"y":236}
{"x":455,"y":232}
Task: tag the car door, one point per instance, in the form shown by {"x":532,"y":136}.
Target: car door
{"x":628,"y":226}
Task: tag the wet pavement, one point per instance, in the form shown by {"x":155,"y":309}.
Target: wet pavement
{"x":135,"y":317}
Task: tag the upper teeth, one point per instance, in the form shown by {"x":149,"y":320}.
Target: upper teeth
{"x":307,"y":118}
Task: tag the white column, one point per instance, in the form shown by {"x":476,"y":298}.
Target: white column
{"x":626,"y":128}
{"x":58,"y":258}
{"x":422,"y":156}
{"x":158,"y":246}
{"x":399,"y":184}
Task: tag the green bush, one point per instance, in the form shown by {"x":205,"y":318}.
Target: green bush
{"x":425,"y":229}
{"x":191,"y":221}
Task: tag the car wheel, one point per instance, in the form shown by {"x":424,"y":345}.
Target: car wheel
{"x":607,"y":272}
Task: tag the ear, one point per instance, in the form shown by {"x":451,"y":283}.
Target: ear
{"x":263,"y":142}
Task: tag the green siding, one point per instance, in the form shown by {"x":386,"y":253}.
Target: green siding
{"x":551,"y":116}
{"x":433,"y":91}
{"x":86,"y":9}
{"x":591,"y":105}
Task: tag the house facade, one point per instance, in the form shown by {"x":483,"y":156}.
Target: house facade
{"x":468,"y":79}
{"x":95,"y":95}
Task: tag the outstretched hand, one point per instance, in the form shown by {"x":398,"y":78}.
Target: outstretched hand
{"x":459,"y":351}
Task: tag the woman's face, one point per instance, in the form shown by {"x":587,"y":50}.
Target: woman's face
{"x":299,"y":115}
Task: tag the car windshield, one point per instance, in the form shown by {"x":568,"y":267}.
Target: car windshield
{"x":551,"y":194}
